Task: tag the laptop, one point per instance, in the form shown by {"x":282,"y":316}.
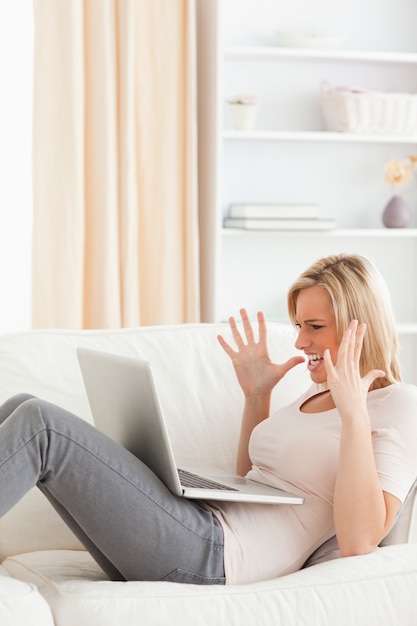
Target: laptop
{"x":125,"y":406}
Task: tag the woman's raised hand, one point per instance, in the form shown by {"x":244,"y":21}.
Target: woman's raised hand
{"x":348,"y":388}
{"x":255,"y":372}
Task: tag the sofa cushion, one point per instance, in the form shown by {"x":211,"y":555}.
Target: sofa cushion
{"x":405,"y":525}
{"x":21,"y":604}
{"x":377,"y":588}
{"x":404,"y":530}
{"x":195,"y":379}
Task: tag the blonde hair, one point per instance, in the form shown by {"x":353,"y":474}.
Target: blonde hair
{"x":357,"y":291}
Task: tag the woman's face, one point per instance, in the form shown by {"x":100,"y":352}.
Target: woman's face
{"x":317,"y":331}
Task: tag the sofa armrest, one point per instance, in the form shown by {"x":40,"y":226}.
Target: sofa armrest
{"x":404,"y":529}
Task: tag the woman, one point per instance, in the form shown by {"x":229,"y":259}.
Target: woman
{"x":347,"y":443}
{"x":347,"y":446}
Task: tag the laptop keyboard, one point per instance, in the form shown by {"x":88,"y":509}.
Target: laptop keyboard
{"x":188,"y":479}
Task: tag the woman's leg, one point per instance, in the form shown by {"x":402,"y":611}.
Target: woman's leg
{"x":133,"y":526}
{"x":7,"y":408}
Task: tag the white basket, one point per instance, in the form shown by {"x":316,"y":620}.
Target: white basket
{"x":368,"y":112}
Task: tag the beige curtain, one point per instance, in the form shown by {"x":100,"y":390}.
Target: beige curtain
{"x":115,"y":171}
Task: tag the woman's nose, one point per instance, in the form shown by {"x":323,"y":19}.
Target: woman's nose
{"x":301,"y":342}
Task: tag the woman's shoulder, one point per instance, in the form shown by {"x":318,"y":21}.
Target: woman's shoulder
{"x":396,"y":390}
{"x":400,"y":398}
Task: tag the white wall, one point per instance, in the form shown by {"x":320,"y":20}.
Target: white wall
{"x":365,"y":21}
{"x":16,"y":60}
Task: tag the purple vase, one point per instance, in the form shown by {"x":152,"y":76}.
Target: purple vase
{"x":397,"y":213}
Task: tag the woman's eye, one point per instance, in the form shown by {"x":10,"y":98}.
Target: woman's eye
{"x":312,"y":326}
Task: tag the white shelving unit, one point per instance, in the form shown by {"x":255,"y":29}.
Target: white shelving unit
{"x":384,"y":233}
{"x":289,"y":157}
{"x":319,"y":136}
{"x":271,"y":52}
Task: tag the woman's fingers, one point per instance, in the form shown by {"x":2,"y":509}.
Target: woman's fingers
{"x":261,"y":327}
{"x":360,"y":334}
{"x":349,"y":350}
{"x":328,"y":363}
{"x":247,"y":326}
{"x":349,"y":354}
{"x":235,"y":332}
{"x":373,"y":375}
{"x":247,"y":329}
{"x":351,"y":345}
{"x":228,"y":349}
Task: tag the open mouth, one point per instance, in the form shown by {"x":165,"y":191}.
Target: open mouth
{"x":314,"y":361}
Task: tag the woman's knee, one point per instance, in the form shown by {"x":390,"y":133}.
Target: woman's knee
{"x":12,"y":403}
{"x":52,"y":415}
{"x":19,"y":398}
{"x":38,"y":406}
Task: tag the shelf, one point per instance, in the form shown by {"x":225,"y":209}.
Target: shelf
{"x":407,"y":329}
{"x":315,"y":136}
{"x":339,"y":232}
{"x":271,"y":52}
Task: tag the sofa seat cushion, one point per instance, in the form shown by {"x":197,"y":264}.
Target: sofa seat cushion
{"x":373,"y":589}
{"x":21,"y":604}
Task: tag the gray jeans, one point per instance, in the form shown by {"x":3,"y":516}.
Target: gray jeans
{"x":131,"y":524}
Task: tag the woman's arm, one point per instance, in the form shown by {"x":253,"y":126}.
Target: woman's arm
{"x":363,"y":513}
{"x":255,"y":410}
{"x":257,"y":376}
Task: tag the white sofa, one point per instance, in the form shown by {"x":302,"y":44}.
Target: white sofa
{"x":47,"y":578}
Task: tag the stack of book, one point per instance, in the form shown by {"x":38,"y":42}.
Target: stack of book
{"x":276,"y":217}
